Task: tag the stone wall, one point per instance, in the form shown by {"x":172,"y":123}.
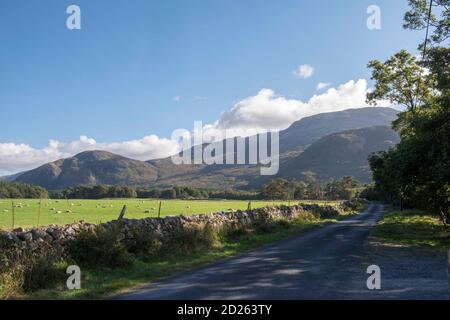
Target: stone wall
{"x":59,"y":236}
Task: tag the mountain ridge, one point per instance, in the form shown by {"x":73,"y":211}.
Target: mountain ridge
{"x":102,"y":167}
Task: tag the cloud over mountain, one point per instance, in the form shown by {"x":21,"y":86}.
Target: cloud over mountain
{"x":267,"y":110}
{"x":264,"y":111}
{"x":19,"y":157}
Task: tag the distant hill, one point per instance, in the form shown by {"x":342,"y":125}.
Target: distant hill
{"x":293,"y":141}
{"x":11,"y":177}
{"x":341,"y":154}
{"x":302,"y":145}
{"x":308,"y":130}
{"x":91,"y":167}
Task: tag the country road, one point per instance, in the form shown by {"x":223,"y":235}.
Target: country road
{"x":326,"y":263}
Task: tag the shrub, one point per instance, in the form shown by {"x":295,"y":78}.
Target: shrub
{"x":99,"y":247}
{"x":324,"y":212}
{"x":355,"y":204}
{"x":308,"y":216}
{"x":186,"y":240}
{"x":26,"y":270}
{"x":143,"y":243}
{"x":238,"y":234}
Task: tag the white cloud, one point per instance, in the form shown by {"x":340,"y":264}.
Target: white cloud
{"x":322,"y":85}
{"x":177,"y":98}
{"x":20,"y":157}
{"x":264,"y":111}
{"x":304,"y":71}
{"x":268,"y":111}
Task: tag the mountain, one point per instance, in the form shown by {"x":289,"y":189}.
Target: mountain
{"x":91,"y":167}
{"x":11,"y":177}
{"x":293,"y":141}
{"x":300,"y":143}
{"x":341,"y":154}
{"x":308,"y":130}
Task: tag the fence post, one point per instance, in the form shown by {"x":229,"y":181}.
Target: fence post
{"x":159,"y":210}
{"x":122,"y":213}
{"x":39,"y":213}
{"x":13,"y":214}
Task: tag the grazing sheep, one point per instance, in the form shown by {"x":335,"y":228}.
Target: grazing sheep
{"x":58,"y":212}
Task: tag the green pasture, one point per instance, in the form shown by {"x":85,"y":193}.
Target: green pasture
{"x":31,"y":213}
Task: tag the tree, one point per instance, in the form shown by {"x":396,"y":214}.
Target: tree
{"x":314,"y":190}
{"x":401,"y":80}
{"x":278,"y":189}
{"x":418,"y":18}
{"x":15,"y":190}
{"x":417,"y":171}
{"x":300,"y":192}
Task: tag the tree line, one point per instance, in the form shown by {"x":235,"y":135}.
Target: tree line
{"x":13,"y":190}
{"x":278,"y":189}
{"x":104,"y":191}
{"x":416,"y":173}
{"x":345,"y":188}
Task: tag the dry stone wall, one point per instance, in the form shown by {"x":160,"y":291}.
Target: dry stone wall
{"x":59,"y":236}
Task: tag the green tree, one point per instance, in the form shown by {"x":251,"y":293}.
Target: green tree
{"x":300,"y":191}
{"x":401,"y":80}
{"x":417,"y":18}
{"x":278,"y":189}
{"x":417,"y":172}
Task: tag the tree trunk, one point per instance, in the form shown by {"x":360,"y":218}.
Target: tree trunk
{"x":444,"y":218}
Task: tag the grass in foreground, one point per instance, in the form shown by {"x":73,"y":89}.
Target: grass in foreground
{"x":414,"y":228}
{"x":103,"y":283}
{"x":59,"y":212}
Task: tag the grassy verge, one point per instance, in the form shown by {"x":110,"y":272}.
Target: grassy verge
{"x":413,"y":228}
{"x":102,"y":283}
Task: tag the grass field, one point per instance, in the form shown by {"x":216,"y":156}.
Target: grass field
{"x":413,"y":228}
{"x":26,"y":212}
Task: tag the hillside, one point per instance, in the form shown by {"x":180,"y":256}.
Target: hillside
{"x":91,"y":167}
{"x":308,"y":130}
{"x":341,"y":154}
{"x":293,"y":141}
{"x":345,"y":153}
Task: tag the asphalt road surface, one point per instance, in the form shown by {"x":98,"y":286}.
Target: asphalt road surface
{"x":326,"y":263}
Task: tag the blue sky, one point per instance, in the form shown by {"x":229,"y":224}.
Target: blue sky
{"x":116,"y":79}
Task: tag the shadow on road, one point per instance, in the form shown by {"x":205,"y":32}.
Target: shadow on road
{"x":327,"y":263}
